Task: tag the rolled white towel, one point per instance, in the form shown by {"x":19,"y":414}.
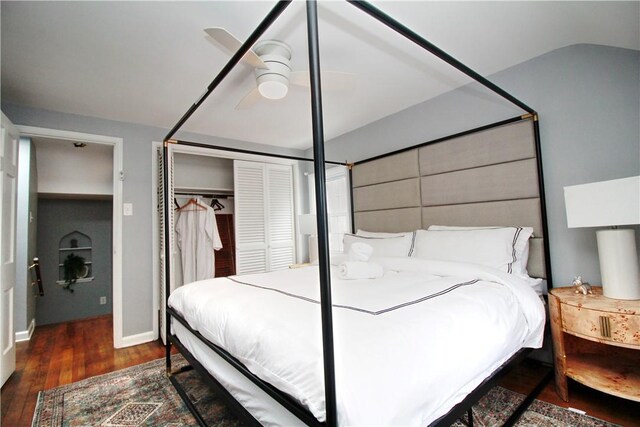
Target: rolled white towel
{"x":360,"y":270}
{"x":359,"y":251}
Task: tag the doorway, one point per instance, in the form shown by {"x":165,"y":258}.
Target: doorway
{"x":79,"y":211}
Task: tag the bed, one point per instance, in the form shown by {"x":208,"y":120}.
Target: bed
{"x":384,"y":335}
{"x":302,"y":346}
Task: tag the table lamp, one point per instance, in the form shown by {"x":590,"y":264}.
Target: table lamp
{"x":610,"y":204}
{"x":307,"y":226}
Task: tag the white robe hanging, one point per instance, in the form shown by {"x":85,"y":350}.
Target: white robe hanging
{"x":198,"y":238}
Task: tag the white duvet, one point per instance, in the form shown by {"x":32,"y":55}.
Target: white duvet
{"x":408,"y":346}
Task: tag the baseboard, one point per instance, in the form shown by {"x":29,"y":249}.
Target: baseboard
{"x":26,"y":335}
{"x":142,"y":338}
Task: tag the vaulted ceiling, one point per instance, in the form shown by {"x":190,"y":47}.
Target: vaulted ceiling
{"x":147,"y":62}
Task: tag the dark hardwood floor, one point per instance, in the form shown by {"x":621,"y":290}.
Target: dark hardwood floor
{"x":63,"y":353}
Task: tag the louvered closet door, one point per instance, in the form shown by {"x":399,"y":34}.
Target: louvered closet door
{"x":161,"y":264}
{"x":162,"y":282}
{"x":279,"y":190}
{"x":250,"y":212}
{"x":264,"y":217}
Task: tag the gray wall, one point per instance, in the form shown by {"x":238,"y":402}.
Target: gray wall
{"x":588,"y":100}
{"x":56,"y":219}
{"x":26,"y":228}
{"x":137,"y":277}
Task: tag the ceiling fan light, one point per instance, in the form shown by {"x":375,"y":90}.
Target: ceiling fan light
{"x":273,"y":86}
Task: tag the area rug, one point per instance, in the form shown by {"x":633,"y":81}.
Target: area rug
{"x":143,"y":396}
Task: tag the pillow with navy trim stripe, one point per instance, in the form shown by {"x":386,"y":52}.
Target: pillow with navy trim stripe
{"x":504,"y":248}
{"x":383,"y":246}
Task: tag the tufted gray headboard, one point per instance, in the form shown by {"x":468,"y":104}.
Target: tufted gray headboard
{"x":483,"y":178}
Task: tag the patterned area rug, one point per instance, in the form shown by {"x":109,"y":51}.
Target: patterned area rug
{"x":143,"y":396}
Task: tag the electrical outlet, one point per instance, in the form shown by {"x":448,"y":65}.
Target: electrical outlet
{"x":103,"y":300}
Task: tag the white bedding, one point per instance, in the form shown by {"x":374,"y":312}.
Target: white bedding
{"x":408,"y":346}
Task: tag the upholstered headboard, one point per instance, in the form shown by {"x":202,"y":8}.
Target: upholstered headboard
{"x":483,"y":178}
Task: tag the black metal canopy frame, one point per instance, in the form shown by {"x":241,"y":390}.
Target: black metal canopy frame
{"x":322,"y":224}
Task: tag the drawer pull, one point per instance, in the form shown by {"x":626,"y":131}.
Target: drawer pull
{"x":605,"y":327}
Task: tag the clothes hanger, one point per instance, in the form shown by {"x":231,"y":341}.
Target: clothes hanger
{"x":216,"y":205}
{"x":192,"y":202}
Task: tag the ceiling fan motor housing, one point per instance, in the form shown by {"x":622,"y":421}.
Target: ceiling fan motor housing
{"x":273,"y":82}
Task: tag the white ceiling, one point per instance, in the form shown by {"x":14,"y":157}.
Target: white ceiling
{"x":147,"y":62}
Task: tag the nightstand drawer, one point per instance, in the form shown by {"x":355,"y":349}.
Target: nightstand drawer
{"x":601,"y":325}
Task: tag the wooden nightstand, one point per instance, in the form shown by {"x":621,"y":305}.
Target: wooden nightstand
{"x":596,"y":341}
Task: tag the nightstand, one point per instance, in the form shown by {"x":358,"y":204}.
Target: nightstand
{"x":596,"y":341}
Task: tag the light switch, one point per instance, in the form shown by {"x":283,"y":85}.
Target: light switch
{"x":128,"y":209}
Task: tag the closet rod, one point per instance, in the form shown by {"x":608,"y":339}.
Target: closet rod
{"x":213,"y":195}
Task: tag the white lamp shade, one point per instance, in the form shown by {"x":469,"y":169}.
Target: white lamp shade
{"x":606,"y":203}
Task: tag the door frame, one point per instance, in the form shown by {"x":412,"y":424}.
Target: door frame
{"x":118,"y":177}
{"x":9,"y":170}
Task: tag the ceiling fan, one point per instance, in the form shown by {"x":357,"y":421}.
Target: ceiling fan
{"x":272,"y":62}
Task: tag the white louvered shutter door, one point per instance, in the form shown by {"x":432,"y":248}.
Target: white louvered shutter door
{"x":280,"y":219}
{"x":250,"y":212}
{"x":161,"y":264}
{"x":163,"y":243}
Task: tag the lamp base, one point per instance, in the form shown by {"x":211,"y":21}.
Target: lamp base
{"x":619,"y":264}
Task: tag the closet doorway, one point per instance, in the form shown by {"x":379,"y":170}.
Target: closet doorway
{"x":74,"y":196}
{"x":242,"y":189}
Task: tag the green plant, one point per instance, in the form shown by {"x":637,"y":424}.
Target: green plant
{"x":74,"y":268}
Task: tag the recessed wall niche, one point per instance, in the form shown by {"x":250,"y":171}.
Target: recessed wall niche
{"x":78,"y":244}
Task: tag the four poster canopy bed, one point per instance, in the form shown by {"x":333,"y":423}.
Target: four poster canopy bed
{"x":461,"y":238}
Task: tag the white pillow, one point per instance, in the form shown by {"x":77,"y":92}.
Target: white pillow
{"x":364,"y":233}
{"x":396,"y":246}
{"x":504,"y":248}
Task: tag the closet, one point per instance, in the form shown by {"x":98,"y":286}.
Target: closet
{"x":201,"y":182}
{"x":255,"y":213}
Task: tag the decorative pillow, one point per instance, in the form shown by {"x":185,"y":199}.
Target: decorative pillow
{"x":504,"y":248}
{"x":398,"y":246}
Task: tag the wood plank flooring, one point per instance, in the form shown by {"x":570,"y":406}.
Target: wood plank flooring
{"x":63,"y":353}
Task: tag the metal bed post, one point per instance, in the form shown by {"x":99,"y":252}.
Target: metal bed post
{"x":543,"y":204}
{"x":321,"y":216}
{"x":352,"y":210}
{"x":255,"y":35}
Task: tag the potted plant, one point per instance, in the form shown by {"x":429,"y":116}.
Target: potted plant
{"x":74,"y":269}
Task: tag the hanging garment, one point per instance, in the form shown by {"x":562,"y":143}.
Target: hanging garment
{"x":225,"y":258}
{"x":198,"y":238}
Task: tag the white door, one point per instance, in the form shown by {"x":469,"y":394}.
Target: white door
{"x":264,"y":216}
{"x":250,"y":211}
{"x":163,"y":243}
{"x":8,"y":184}
{"x":279,"y":190}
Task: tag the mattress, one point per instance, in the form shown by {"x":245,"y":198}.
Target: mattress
{"x":408,"y":346}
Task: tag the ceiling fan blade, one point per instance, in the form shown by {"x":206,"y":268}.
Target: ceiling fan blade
{"x":225,"y":39}
{"x":331,"y":80}
{"x":249,"y":100}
